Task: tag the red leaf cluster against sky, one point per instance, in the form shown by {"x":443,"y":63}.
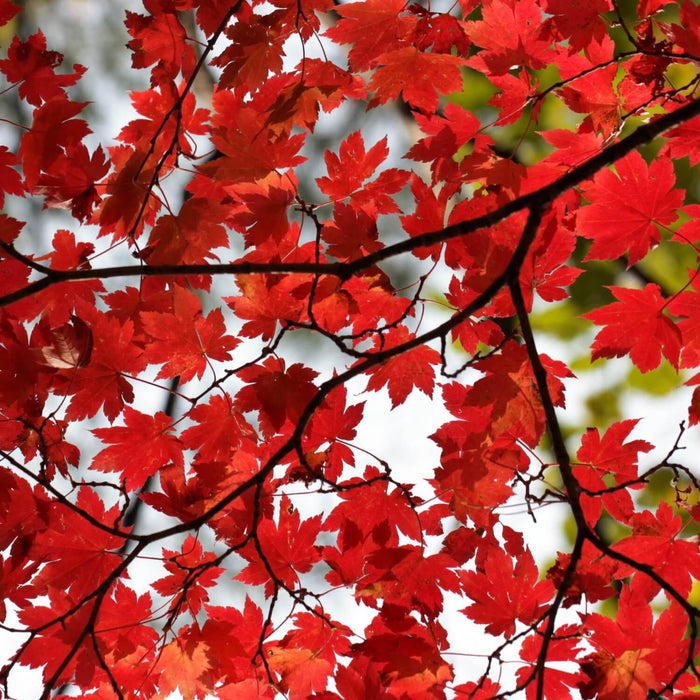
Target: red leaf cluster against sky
{"x":243,"y":293}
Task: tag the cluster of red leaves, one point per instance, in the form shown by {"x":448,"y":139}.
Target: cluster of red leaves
{"x":262,"y":430}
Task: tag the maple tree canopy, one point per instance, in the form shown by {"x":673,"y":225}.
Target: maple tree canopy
{"x":209,"y":327}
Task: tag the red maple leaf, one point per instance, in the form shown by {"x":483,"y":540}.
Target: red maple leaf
{"x":186,"y":340}
{"x":636,"y":325}
{"x":190,"y":236}
{"x":264,"y":204}
{"x":68,"y":346}
{"x":30,"y":64}
{"x":420,"y":77}
{"x":101,"y":384}
{"x":594,"y":94}
{"x":190,"y":573}
{"x":160,"y":41}
{"x":157,"y":446}
{"x":10,"y":179}
{"x":373,"y":27}
{"x":59,"y":302}
{"x":405,"y":655}
{"x":87,"y":553}
{"x":219,"y":431}
{"x":656,"y":541}
{"x":364,"y":513}
{"x":351,"y":233}
{"x":53,"y":130}
{"x":505,"y":592}
{"x":233,"y":637}
{"x":562,"y":647}
{"x":684,"y":140}
{"x":408,"y":371}
{"x":609,"y":456}
{"x":70,"y":181}
{"x":278,"y":393}
{"x":510,"y":31}
{"x":626,"y":208}
{"x":250,"y":151}
{"x":633,"y":654}
{"x":288,"y":547}
{"x":306,"y":656}
{"x":348,"y":170}
{"x":579,"y":21}
{"x":687,"y":306}
{"x":7,"y":11}
{"x":406,"y":577}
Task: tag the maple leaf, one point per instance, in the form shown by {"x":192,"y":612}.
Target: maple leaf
{"x":362,"y":515}
{"x":447,"y":133}
{"x":219,"y":431}
{"x":168,"y":115}
{"x":687,"y":306}
{"x":505,"y":591}
{"x":684,"y":140}
{"x":101,"y":384}
{"x":233,"y":637}
{"x":186,"y":355}
{"x":351,"y":233}
{"x":609,"y":456}
{"x":408,"y":371}
{"x":636,"y":325}
{"x":626,"y":208}
{"x":420,"y":77}
{"x":190,"y":572}
{"x":594,"y":577}
{"x":579,"y":21}
{"x":188,"y":237}
{"x":125,"y":638}
{"x":255,"y":50}
{"x":129,"y":205}
{"x":7,"y":11}
{"x":288,"y":547}
{"x":53,"y":130}
{"x":510,"y":32}
{"x":655,"y":540}
{"x":348,"y":170}
{"x":157,"y":447}
{"x":87,"y":553}
{"x":30,"y":64}
{"x":306,"y":656}
{"x":159,"y":41}
{"x":263,"y":212}
{"x":562,"y":647}
{"x":334,"y":422}
{"x":372,"y":27}
{"x":183,"y":665}
{"x":70,"y":182}
{"x":405,"y":654}
{"x":249,"y":151}
{"x":278,"y":393}
{"x":10,"y":180}
{"x":404,"y":576}
{"x":631,"y":658}
{"x":70,"y":345}
{"x":594,"y":94}
{"x":60,"y":301}
{"x":297,"y":98}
